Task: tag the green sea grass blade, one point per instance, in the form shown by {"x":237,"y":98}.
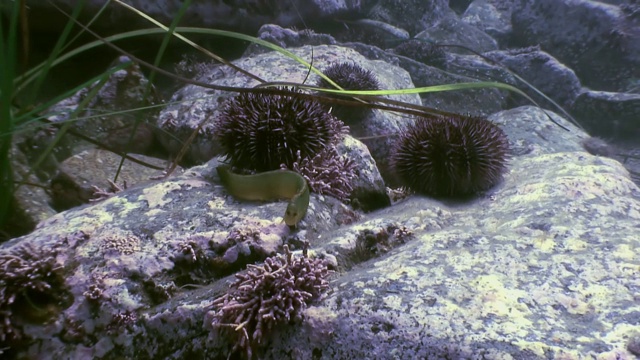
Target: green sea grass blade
{"x":33,"y":115}
{"x":147,"y":91}
{"x":63,"y":129}
{"x":60,"y":43}
{"x":28,"y":76}
{"x":8,"y":67}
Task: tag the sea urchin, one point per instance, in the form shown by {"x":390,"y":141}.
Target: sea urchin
{"x":450,"y":156}
{"x":261,"y":131}
{"x":350,"y":76}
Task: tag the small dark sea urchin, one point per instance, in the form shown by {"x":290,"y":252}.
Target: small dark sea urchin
{"x":349,"y":76}
{"x":262,"y":131}
{"x":451,"y":156}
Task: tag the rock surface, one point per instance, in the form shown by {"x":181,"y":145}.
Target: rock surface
{"x":81,"y":175}
{"x":600,"y":42}
{"x":542,"y":266}
{"x":535,"y":66}
{"x":609,"y":114}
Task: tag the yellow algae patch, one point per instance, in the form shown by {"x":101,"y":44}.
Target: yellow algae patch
{"x":193,"y":183}
{"x":449,"y":308}
{"x":393,"y":302}
{"x":544,"y":242}
{"x":597,"y":292}
{"x":599,"y":295}
{"x":125,"y":206}
{"x":403,"y":272}
{"x":538,"y":348}
{"x":620,"y":334}
{"x":154,"y":195}
{"x":624,"y":251}
{"x":89,"y":220}
{"x":573,"y":305}
{"x":154,"y":212}
{"x":369,"y":292}
{"x":494,"y":298}
{"x":576,"y":244}
{"x":530,"y":193}
{"x":216,"y":203}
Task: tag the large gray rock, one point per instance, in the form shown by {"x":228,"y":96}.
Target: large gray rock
{"x":452,"y":30}
{"x":411,"y":15}
{"x":609,"y":114}
{"x":542,"y":266}
{"x":539,"y":270}
{"x":600,"y":42}
{"x":543,"y":72}
{"x":472,"y":101}
{"x":490,"y":16}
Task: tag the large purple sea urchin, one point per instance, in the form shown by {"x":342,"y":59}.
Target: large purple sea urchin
{"x":261,"y":131}
{"x":451,"y":156}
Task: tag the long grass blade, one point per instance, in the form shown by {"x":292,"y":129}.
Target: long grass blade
{"x":8,"y":61}
{"x":163,"y":47}
{"x":44,"y":71}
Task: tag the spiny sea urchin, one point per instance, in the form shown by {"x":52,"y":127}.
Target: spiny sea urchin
{"x":451,"y":156}
{"x":350,"y":76}
{"x":260,"y":131}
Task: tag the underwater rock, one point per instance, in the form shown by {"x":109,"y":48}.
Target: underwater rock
{"x":499,"y":275}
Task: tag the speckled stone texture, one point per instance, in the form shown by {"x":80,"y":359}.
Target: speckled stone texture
{"x":597,"y":40}
{"x":543,"y":266}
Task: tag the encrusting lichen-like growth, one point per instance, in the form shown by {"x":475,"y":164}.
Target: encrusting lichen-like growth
{"x":31,"y":289}
{"x":273,"y":293}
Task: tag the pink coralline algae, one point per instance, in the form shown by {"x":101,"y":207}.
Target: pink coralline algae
{"x":273,"y":293}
